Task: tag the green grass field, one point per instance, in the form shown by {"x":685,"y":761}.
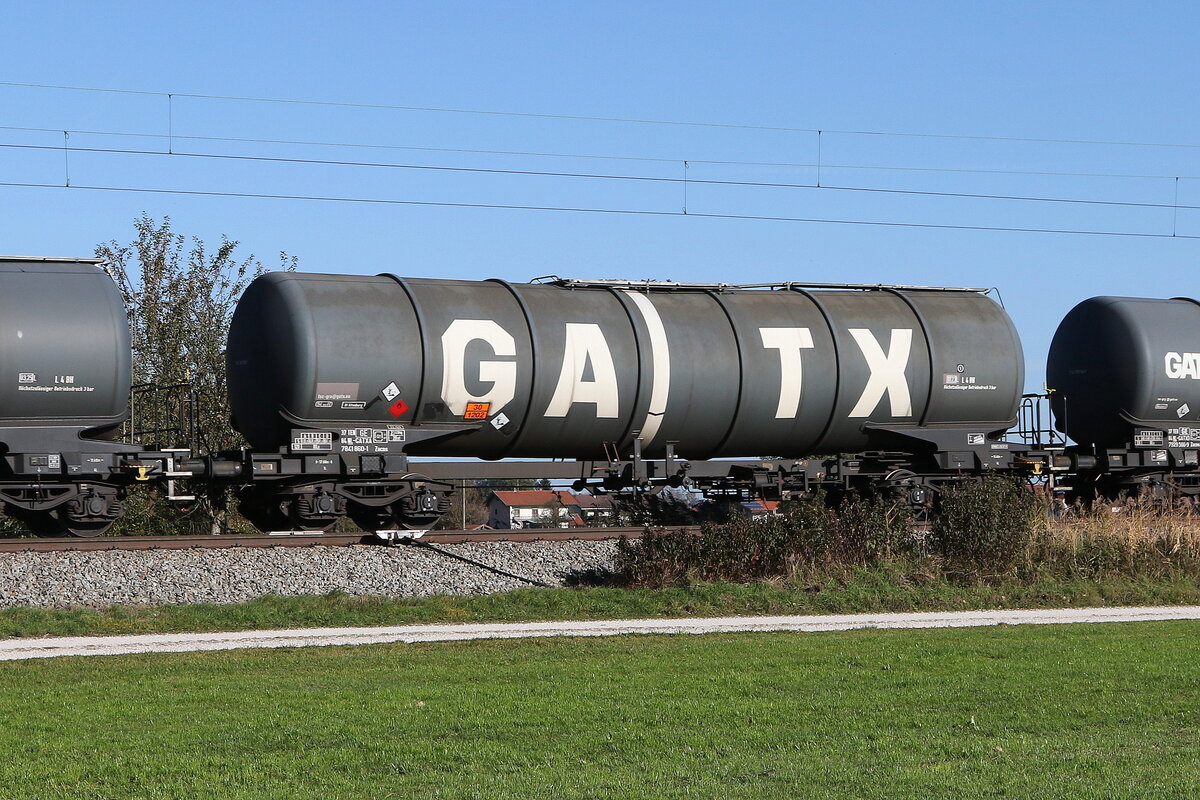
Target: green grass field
{"x":859,"y":590}
{"x":1097,"y":711}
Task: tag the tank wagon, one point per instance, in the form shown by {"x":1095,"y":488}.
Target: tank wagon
{"x":334,"y":380}
{"x":1125,"y":374}
{"x":64,"y":389}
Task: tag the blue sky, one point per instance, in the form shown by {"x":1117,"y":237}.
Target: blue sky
{"x":1073,"y":71}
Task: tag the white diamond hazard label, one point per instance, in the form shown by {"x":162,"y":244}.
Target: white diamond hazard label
{"x":390,"y":392}
{"x":1183,"y":411}
{"x":499,"y":421}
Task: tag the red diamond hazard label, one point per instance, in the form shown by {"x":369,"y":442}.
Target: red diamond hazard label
{"x":398,"y":408}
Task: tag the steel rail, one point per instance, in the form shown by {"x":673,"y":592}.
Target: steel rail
{"x":314,"y":539}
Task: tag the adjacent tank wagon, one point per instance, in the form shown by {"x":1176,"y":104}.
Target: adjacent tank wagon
{"x":65,"y":372}
{"x":1125,"y":374}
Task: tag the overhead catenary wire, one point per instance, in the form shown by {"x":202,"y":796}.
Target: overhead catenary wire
{"x":588,"y":210}
{"x":599,"y":156}
{"x":589,"y":118}
{"x":685,"y":180}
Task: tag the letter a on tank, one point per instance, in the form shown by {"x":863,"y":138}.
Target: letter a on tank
{"x":584,"y":343}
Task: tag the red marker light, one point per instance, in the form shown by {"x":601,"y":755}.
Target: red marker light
{"x":398,"y":408}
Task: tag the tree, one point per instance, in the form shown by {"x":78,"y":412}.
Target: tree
{"x":180,"y":305}
{"x":469,"y":498}
{"x":180,"y":300}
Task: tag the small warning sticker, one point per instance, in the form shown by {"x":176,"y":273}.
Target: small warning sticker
{"x":398,"y":408}
{"x":390,"y":392}
{"x":500,"y":421}
{"x":478,"y":411}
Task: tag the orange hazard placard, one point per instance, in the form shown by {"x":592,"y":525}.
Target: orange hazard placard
{"x":477,"y":410}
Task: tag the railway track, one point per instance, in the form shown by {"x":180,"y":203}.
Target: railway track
{"x":309,"y":539}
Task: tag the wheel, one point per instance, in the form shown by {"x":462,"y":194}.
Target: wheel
{"x":415,"y":521}
{"x":423,"y":507}
{"x":313,"y":511}
{"x":296,"y":523}
{"x":370,"y":518}
{"x":88,"y":530}
{"x":262,"y":510}
{"x":40,"y":523}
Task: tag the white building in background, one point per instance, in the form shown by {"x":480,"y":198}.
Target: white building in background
{"x":546,"y":508}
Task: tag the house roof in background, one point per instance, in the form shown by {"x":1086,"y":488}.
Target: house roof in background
{"x":527,"y":498}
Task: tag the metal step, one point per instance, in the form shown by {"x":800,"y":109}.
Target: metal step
{"x":171,"y":492}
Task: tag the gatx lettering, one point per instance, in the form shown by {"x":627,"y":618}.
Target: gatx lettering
{"x":887,"y":369}
{"x":585,"y":349}
{"x":887,"y":372}
{"x":585,"y":344}
{"x":1180,"y":366}
{"x":502,"y":375}
{"x":789,"y":342}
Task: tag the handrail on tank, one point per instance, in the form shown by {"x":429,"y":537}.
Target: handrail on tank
{"x":576,"y":283}
{"x":1034,"y":426}
{"x":52,"y":260}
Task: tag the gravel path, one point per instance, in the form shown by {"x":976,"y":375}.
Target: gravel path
{"x":20,"y":649}
{"x":158,"y":577}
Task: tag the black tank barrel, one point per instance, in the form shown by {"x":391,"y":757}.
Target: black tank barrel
{"x":560,"y":369}
{"x":1126,"y":370}
{"x":64,"y":350}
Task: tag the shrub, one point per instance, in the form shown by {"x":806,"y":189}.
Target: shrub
{"x":986,"y":531}
{"x":986,"y":525}
{"x":806,"y":536}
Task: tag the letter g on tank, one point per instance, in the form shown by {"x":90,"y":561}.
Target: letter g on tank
{"x":1180,"y":366}
{"x":501,"y":375}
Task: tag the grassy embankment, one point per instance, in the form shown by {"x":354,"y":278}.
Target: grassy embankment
{"x":1032,"y":712}
{"x":863,"y":590}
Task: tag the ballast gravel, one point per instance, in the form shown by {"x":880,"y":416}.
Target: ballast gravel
{"x":101,"y":578}
{"x":22,"y":649}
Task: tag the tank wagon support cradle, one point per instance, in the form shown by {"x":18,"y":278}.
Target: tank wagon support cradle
{"x":313,"y":483}
{"x":306,"y":491}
